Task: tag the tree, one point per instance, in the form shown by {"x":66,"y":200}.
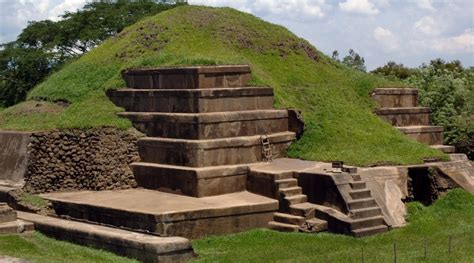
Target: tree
{"x":352,"y":60}
{"x":393,"y":70}
{"x":43,"y":46}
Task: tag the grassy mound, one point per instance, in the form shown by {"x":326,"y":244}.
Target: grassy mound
{"x":334,"y":100}
{"x":451,"y":216}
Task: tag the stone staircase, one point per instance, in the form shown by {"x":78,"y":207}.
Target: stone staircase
{"x":203,"y":127}
{"x":293,"y":215}
{"x":399,"y":107}
{"x":10,"y":224}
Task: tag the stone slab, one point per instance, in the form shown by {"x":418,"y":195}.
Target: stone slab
{"x":146,"y":248}
{"x":7,"y":214}
{"x":16,"y":227}
{"x":13,"y":157}
{"x":200,"y":153}
{"x":200,"y":126}
{"x":406,"y":116}
{"x":432,"y":135}
{"x":166,"y":213}
{"x":199,"y":77}
{"x":192,"y":181}
{"x":192,"y":101}
{"x":395,"y":97}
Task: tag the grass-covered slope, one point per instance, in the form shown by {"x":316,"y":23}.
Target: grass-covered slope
{"x":334,"y":100}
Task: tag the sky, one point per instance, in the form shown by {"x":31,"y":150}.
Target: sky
{"x":411,"y":32}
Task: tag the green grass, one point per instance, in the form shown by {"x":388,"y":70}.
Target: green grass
{"x":334,"y":99}
{"x":38,"y":248}
{"x":452,"y":215}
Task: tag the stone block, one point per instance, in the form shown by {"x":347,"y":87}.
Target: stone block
{"x":200,"y":126}
{"x":432,"y":135}
{"x":408,"y":116}
{"x":13,"y":157}
{"x":200,"y":153}
{"x":395,"y":97}
{"x":200,"y":77}
{"x":197,"y":182}
{"x":193,"y":101}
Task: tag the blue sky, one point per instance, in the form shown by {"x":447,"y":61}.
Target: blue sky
{"x":406,"y":31}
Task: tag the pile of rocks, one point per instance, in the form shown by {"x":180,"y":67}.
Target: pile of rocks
{"x":81,"y":159}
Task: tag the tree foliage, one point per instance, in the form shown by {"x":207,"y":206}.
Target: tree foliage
{"x":352,"y":60}
{"x":43,"y":46}
{"x":393,"y":70}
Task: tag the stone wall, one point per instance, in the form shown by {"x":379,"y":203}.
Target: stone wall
{"x":81,"y":159}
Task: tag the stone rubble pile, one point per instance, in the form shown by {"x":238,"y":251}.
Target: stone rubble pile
{"x":81,"y":159}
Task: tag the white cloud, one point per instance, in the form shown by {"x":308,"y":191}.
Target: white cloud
{"x":364,"y":7}
{"x":425,"y":4}
{"x":293,"y":9}
{"x":457,"y":44}
{"x":386,"y":38}
{"x":428,"y":26}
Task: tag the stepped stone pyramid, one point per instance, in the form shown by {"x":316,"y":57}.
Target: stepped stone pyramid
{"x":203,"y":127}
{"x":399,"y":107}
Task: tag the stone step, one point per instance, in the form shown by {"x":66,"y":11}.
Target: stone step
{"x":357,"y":185}
{"x":265,"y":182}
{"x":306,"y":210}
{"x":360,"y":194}
{"x":288,"y":219}
{"x":365,"y":212}
{"x":395,"y":97}
{"x":285,"y":183}
{"x":16,"y":227}
{"x":314,"y":225}
{"x":444,"y":148}
{"x":361,"y":203}
{"x":295,"y":199}
{"x":193,"y":101}
{"x":7,"y":214}
{"x":215,"y":125}
{"x":370,"y":231}
{"x":406,"y":116}
{"x":367,"y":222}
{"x":200,"y":153}
{"x":144,"y":247}
{"x":291,"y":191}
{"x":191,"y":181}
{"x":431,"y":135}
{"x":198,"y":77}
{"x":282,"y":227}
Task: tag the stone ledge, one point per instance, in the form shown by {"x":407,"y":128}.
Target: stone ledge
{"x":403,"y":110}
{"x":190,"y":70}
{"x":420,"y":129}
{"x":130,"y":244}
{"x":395,"y":91}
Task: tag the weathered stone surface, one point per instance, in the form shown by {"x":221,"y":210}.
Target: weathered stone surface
{"x":7,"y":214}
{"x":146,"y":248}
{"x":13,"y":157}
{"x":166,"y":213}
{"x":94,"y":159}
{"x":200,"y":126}
{"x":430,"y":135}
{"x":16,"y":227}
{"x":296,"y":122}
{"x":202,"y":100}
{"x":395,"y":97}
{"x":197,"y":182}
{"x":199,"y":153}
{"x":199,"y":77}
{"x":405,"y":116}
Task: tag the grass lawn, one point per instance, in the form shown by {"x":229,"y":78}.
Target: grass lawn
{"x":452,"y":215}
{"x":38,"y":248}
{"x":334,"y":100}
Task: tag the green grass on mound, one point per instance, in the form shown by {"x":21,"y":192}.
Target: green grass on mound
{"x":452,"y":216}
{"x":38,"y":248}
{"x":335,"y":100}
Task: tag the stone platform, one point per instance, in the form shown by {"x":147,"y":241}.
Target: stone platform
{"x":168,"y":214}
{"x":399,"y":107}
